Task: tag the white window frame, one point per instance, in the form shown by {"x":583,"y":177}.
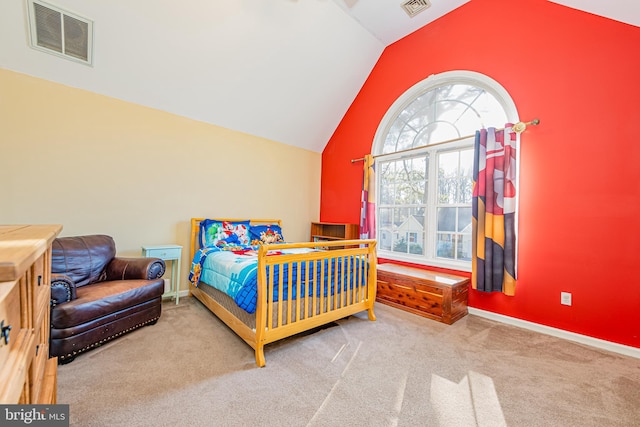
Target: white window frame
{"x":446,"y":78}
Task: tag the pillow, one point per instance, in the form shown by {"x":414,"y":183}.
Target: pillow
{"x":269,"y":233}
{"x":214,"y":232}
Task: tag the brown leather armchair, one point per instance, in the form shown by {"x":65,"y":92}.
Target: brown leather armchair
{"x":96,"y":296}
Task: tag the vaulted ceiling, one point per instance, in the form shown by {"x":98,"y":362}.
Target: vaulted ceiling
{"x":286,"y":70}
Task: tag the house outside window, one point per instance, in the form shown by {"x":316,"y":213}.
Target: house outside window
{"x":424,"y":166}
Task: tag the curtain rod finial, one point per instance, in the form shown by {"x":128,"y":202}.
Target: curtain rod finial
{"x":521,"y":126}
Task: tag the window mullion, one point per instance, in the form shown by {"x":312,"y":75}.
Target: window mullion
{"x":432,"y":202}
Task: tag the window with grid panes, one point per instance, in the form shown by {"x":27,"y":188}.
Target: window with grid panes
{"x":424,"y":166}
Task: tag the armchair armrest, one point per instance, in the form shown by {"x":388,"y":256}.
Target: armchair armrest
{"x":63,"y":289}
{"x":135,"y":268}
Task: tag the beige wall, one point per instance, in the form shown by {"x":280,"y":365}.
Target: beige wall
{"x":100,"y":165}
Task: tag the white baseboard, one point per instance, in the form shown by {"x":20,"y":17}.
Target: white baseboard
{"x":181,"y":293}
{"x":548,"y":330}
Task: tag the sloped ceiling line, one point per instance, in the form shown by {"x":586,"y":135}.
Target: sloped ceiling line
{"x":285,"y":70}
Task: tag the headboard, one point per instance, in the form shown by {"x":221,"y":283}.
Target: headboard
{"x":195,"y":228}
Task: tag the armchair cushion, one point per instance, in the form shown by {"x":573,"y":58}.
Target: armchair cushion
{"x":82,"y":258}
{"x":102,"y":299}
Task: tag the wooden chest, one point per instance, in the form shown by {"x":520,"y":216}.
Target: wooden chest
{"x":438,"y":296}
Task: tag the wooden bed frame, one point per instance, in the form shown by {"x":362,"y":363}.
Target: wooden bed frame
{"x":295,"y":315}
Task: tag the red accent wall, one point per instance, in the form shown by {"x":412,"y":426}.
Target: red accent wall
{"x":580,"y":168}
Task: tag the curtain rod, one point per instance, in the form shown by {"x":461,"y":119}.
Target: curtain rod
{"x":518,"y":128}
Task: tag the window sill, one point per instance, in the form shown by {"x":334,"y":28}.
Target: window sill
{"x":437,"y":263}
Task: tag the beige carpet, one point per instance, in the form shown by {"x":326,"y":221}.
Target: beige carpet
{"x":402,"y":370}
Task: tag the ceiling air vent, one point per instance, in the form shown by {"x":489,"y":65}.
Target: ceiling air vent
{"x":60,"y":32}
{"x":414,"y":7}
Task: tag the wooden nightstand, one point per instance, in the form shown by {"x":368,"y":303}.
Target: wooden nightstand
{"x":171,"y":253}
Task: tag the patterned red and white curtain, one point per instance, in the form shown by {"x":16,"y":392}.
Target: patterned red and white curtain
{"x":368,"y":200}
{"x":494,"y":211}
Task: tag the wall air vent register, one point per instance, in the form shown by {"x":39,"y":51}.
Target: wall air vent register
{"x":59,"y":32}
{"x":414,"y":7}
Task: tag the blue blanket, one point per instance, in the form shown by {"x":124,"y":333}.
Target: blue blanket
{"x":236,"y":274}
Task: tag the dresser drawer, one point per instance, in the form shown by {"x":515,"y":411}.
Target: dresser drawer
{"x":40,"y":288}
{"x":165,"y":253}
{"x":40,"y":357}
{"x":14,"y":355}
{"x":9,"y":317}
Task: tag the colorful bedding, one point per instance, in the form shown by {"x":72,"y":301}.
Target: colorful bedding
{"x":234,"y":271}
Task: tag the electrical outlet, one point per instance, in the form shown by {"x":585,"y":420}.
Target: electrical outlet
{"x":565,"y":298}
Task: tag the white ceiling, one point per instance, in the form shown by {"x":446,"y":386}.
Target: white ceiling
{"x":627,"y":11}
{"x":286,"y":70}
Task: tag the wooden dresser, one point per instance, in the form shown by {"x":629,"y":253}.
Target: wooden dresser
{"x":438,"y":296}
{"x":27,"y":374}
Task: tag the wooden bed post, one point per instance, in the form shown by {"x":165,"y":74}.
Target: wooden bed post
{"x":260,"y":306}
{"x":260,"y":360}
{"x":372,"y":280}
{"x":194,"y":242}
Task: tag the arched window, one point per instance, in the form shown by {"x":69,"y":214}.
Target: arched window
{"x":424,"y":165}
